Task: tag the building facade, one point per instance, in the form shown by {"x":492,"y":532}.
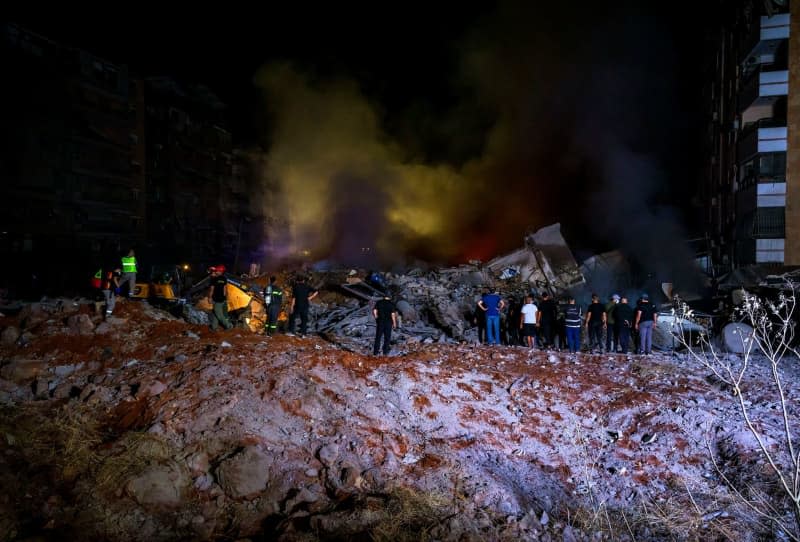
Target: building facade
{"x":749,"y":192}
{"x":96,"y":160}
{"x":72,"y":159}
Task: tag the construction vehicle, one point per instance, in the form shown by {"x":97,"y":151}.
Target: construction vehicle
{"x":246,"y":304}
{"x":164,"y":284}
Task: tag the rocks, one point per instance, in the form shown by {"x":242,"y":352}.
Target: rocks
{"x":32,"y":315}
{"x":9,"y":336}
{"x":23,"y":371}
{"x":246,"y":474}
{"x":159,"y":486}
{"x":270,"y":436}
{"x":65,"y":370}
{"x":195,"y":316}
{"x":198,"y":462}
{"x":80,"y":324}
{"x":156,"y":387}
{"x":328,"y":454}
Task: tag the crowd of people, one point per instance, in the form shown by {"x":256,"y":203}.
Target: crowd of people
{"x":615,"y":326}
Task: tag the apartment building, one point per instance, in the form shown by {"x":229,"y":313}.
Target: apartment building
{"x":752,"y":200}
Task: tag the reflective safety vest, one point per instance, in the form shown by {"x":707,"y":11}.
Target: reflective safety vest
{"x":97,"y":279}
{"x":572,"y":314}
{"x":129,"y":264}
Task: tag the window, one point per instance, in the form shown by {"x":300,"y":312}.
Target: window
{"x":772,"y":166}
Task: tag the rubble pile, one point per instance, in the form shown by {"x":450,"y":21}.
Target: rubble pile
{"x":145,"y":427}
{"x":438,"y":305}
{"x":434,"y":306}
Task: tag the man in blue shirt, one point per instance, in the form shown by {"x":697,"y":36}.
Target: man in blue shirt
{"x":492,"y":304}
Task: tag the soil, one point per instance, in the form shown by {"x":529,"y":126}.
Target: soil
{"x":150,"y":428}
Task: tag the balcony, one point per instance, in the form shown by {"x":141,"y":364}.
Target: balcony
{"x":762,"y":89}
{"x":763,"y":136}
{"x":761,"y":43}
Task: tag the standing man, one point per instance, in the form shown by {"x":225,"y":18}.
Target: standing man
{"x":385,"y":315}
{"x":527,"y":322}
{"x":273,"y":299}
{"x":612,"y":331}
{"x":596,"y":323}
{"x":623,"y":323}
{"x":218,"y":297}
{"x":111,"y":289}
{"x":548,"y":316}
{"x":302,"y":293}
{"x":129,"y":272}
{"x":646,"y":318}
{"x":572,"y":324}
{"x":491,"y":304}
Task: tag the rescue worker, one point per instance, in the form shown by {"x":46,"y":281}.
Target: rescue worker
{"x":111,"y":286}
{"x":217,"y":296}
{"x":273,"y":299}
{"x":129,"y":272}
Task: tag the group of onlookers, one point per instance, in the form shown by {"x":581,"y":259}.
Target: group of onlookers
{"x":613,"y":326}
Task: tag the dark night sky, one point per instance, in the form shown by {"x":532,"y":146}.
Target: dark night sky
{"x":588,"y":100}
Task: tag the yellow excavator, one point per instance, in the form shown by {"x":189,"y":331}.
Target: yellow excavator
{"x":246,"y":305}
{"x":165,"y":284}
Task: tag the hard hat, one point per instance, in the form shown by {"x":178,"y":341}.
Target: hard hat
{"x":220,"y":268}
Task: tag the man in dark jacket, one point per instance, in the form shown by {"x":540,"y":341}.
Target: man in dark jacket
{"x":547,"y":318}
{"x":302,"y":294}
{"x":385,"y":315}
{"x":595,"y":324}
{"x":623,"y":323}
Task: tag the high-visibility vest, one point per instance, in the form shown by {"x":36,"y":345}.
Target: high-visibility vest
{"x":129,"y":264}
{"x":97,"y":279}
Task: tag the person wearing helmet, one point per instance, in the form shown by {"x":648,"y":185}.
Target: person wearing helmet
{"x":218,"y":299}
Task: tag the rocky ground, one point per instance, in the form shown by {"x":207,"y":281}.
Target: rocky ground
{"x":145,"y":427}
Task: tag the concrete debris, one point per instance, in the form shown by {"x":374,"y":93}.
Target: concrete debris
{"x":160,"y":486}
{"x":292,"y":438}
{"x":546,"y":263}
{"x":9,"y":336}
{"x":240,"y":436}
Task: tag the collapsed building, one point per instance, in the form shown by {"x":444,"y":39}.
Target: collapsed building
{"x":439,"y":304}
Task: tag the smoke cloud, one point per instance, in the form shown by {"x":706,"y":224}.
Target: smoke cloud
{"x":558,"y":116}
{"x":351,"y":191}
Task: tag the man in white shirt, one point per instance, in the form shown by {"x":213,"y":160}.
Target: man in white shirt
{"x":527,"y":321}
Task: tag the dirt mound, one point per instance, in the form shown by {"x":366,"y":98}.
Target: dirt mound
{"x":155,"y":429}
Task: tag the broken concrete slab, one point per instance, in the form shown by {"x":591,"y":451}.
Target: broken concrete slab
{"x":546,"y":262}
